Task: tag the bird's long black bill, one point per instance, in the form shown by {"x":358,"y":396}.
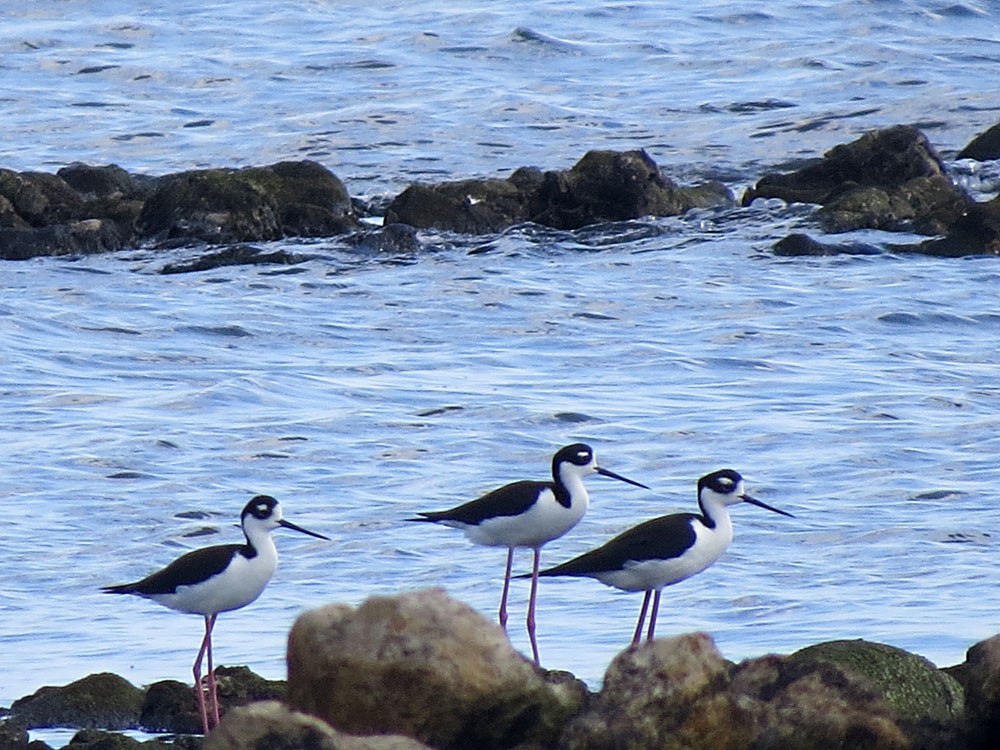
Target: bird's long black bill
{"x":293,"y":527}
{"x":620,"y":478}
{"x":765,"y":506}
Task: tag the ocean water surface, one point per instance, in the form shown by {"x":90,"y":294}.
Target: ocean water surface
{"x":141,"y":411}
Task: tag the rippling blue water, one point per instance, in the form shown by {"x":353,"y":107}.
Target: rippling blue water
{"x":140,"y":410}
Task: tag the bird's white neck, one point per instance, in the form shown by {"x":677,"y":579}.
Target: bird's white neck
{"x":262,"y":543}
{"x":716,"y":514}
{"x":572,"y":481}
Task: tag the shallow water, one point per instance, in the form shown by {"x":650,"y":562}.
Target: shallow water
{"x":141,"y":411}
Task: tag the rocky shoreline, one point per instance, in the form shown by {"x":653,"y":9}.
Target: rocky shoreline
{"x":890,"y":179}
{"x":422,"y":670}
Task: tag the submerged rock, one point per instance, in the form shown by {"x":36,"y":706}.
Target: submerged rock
{"x":234,"y":255}
{"x":424,"y":666}
{"x":889,"y":179}
{"x":984,"y":147}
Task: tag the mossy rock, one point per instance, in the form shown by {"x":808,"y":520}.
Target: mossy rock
{"x":911,"y":684}
{"x":100,"y":700}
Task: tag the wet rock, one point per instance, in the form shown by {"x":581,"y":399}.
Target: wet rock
{"x":424,"y":666}
{"x":234,"y":255}
{"x":603,"y":186}
{"x":984,"y":147}
{"x":254,"y":204}
{"x":270,"y":725}
{"x":802,"y":244}
{"x":889,"y":179}
{"x":108,"y":181}
{"x":977,"y":232}
{"x":43,"y":214}
{"x":615,"y":186}
{"x":75,"y":238}
{"x":101,"y":700}
{"x":679,"y":693}
{"x":390,"y":239}
{"x":466,"y":206}
{"x":36,"y":199}
{"x":979,"y":675}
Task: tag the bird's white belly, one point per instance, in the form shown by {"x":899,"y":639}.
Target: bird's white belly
{"x":646,"y":575}
{"x":544,"y":521}
{"x":241,"y":583}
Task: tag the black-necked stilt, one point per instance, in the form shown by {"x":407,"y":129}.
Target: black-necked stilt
{"x":528,"y":514}
{"x":218,"y":579}
{"x":665,"y":550}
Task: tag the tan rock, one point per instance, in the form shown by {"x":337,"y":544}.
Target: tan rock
{"x":425,"y":666}
{"x":680,"y":694}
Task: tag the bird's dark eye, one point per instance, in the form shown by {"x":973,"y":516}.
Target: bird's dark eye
{"x":262,"y":509}
{"x":726,"y":484}
{"x":583,"y":457}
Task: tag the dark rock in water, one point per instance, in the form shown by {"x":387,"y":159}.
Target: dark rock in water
{"x":802,"y":244}
{"x":109,"y":181}
{"x":76,"y":238}
{"x":241,"y":205}
{"x":392,"y":238}
{"x":43,"y":214}
{"x":270,"y":725}
{"x":984,"y":147}
{"x":424,"y":666}
{"x":603,"y":186}
{"x":101,"y":700}
{"x":615,"y":186}
{"x":977,"y":232}
{"x":467,"y":206}
{"x":888,"y":179}
{"x":234,"y":255}
{"x":34,"y":199}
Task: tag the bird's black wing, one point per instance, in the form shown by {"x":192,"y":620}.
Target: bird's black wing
{"x":510,"y":500}
{"x":188,"y":569}
{"x":661,"y":538}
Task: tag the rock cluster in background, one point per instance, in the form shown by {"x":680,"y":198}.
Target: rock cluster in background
{"x":422,"y":670}
{"x":889,"y":179}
